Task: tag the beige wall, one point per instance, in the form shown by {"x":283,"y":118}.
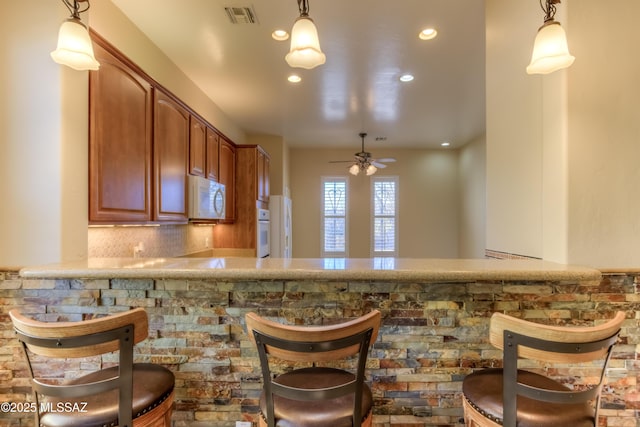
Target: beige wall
{"x":604,"y":133}
{"x":514,"y":129}
{"x":472,"y":187}
{"x":527,"y":170}
{"x":562,"y":149}
{"x":428,"y":197}
{"x":42,"y":140}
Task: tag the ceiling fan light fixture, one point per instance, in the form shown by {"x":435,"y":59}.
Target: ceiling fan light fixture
{"x":363,"y":161}
{"x":550,"y":48}
{"x":305,"y":49}
{"x":74,"y":48}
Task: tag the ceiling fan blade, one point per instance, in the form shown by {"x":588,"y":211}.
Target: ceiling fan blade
{"x":386,"y":160}
{"x":340,"y":161}
{"x":378,"y":165}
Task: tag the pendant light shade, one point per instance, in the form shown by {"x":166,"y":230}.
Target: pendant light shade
{"x":305,"y":49}
{"x":74,"y":46}
{"x":74,"y":43}
{"x":354,"y":169}
{"x":550,"y":49}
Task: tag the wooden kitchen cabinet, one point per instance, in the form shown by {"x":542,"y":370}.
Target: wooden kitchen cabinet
{"x":262,"y":175}
{"x":197,"y":147}
{"x":120,"y":142}
{"x":253,"y":175}
{"x":170,"y":154}
{"x":143,"y":142}
{"x":203,"y":149}
{"x":212,"y":170}
{"x":251,"y":169}
{"x":227,"y":176}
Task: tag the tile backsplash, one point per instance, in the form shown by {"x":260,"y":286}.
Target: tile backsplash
{"x":155,"y":241}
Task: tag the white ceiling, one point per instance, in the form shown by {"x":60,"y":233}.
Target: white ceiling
{"x":368,"y":44}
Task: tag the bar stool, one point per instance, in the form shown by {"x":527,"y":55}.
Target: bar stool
{"x":510,"y":396}
{"x":315,"y":390}
{"x":129,"y":394}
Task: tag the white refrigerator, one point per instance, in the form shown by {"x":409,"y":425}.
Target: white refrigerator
{"x":280,"y":217}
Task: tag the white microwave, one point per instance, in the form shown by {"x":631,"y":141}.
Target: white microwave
{"x":206,"y":199}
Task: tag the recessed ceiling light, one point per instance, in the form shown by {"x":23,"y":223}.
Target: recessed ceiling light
{"x":445,"y":144}
{"x":280,"y":35}
{"x":294,"y":78}
{"x":428,"y":34}
{"x":406,"y":78}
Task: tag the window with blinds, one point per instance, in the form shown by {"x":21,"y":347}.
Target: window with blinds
{"x":384,"y":234}
{"x":334,"y":217}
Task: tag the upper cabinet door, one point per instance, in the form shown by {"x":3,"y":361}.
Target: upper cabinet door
{"x":213,"y":155}
{"x":197,"y":147}
{"x":267,"y":172}
{"x":227,"y":175}
{"x":120,"y":143}
{"x":203,"y":150}
{"x":263,"y":175}
{"x":171,"y":152}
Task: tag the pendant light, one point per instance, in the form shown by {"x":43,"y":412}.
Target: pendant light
{"x":305,"y":47}
{"x":74,"y":43}
{"x":550,"y":49}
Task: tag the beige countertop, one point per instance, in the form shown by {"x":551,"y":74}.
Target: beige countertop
{"x":379,"y":269}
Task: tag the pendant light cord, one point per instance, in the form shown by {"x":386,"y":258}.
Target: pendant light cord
{"x":549,"y":9}
{"x":74,"y":7}
{"x":303,"y":7}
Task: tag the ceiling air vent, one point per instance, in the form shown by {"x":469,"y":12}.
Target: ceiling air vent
{"x":241,"y":15}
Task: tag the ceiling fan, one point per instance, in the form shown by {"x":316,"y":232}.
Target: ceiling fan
{"x":363,"y":161}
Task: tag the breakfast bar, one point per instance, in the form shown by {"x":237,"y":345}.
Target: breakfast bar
{"x":434,"y":329}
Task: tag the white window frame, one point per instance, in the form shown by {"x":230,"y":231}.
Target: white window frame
{"x":334,"y":254}
{"x":395,"y":180}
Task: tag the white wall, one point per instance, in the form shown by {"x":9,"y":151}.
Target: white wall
{"x":429,"y":201}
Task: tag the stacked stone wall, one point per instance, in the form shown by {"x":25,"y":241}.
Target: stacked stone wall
{"x":432,"y":335}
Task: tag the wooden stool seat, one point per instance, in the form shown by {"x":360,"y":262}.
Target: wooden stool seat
{"x":337,"y":412}
{"x":307,"y":373}
{"x":483,"y":392}
{"x":152,"y":385}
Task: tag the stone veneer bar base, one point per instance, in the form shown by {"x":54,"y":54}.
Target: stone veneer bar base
{"x":433,"y":334}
